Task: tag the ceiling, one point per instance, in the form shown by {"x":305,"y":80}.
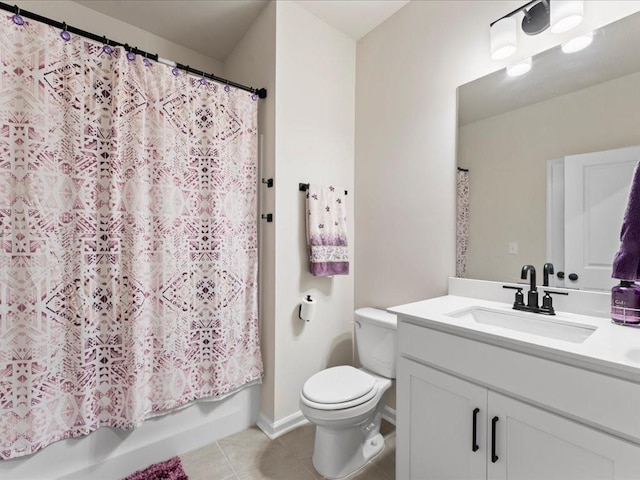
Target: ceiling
{"x":214,"y":27}
{"x":355,"y":18}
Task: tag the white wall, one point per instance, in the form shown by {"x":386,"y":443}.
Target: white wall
{"x":253,"y":62}
{"x":113,"y":453}
{"x":315,"y":114}
{"x":308,"y":136}
{"x":598,"y":118}
{"x":408,"y":70}
{"x":84,"y":18}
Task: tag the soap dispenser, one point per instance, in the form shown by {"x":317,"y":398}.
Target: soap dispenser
{"x":625,"y":303}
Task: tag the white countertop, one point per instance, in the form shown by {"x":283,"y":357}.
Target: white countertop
{"x":611,"y":349}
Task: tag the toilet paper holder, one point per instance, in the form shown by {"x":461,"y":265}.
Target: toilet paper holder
{"x":306,"y":310}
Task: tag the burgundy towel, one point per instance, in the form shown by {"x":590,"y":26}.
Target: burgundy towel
{"x":626,"y":264}
{"x":327,"y":231}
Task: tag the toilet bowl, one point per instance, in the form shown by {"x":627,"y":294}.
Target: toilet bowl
{"x":347,"y":426}
{"x":346,"y":403}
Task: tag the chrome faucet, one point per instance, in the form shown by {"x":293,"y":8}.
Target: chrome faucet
{"x":532,"y":297}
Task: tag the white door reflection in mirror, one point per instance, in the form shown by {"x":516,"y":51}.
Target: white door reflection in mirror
{"x":586,"y":200}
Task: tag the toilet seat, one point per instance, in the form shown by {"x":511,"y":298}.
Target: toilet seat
{"x":338,"y":388}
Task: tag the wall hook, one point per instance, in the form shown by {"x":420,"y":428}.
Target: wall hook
{"x":268,"y":217}
{"x":268,"y":182}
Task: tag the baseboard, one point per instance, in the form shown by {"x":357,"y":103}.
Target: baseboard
{"x":389,"y":414}
{"x":274,"y":430}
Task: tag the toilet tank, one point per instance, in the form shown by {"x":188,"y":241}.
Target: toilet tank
{"x":376,"y":338}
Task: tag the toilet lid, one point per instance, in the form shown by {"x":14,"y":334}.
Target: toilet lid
{"x":338,"y":385}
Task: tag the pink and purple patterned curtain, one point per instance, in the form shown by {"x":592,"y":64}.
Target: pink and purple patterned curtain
{"x":128,"y":238}
{"x":462,"y":222}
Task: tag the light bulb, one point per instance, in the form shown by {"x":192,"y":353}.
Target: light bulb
{"x":578,"y":43}
{"x":519,"y":68}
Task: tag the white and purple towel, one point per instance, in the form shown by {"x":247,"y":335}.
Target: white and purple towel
{"x":626,"y":264}
{"x":327,"y":231}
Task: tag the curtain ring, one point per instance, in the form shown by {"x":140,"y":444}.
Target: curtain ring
{"x":146,"y":61}
{"x":130,"y":55}
{"x":64,"y":34}
{"x":106,"y":48}
{"x":17,"y":19}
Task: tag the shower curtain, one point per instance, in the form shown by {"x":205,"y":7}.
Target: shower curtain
{"x":128,"y":238}
{"x":462,"y":223}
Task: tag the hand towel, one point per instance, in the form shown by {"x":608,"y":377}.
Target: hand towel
{"x":626,"y":264}
{"x":327,"y":231}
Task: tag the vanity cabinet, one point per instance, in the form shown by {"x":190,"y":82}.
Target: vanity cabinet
{"x":438,"y":411}
{"x":532,"y":443}
{"x":435,"y":417}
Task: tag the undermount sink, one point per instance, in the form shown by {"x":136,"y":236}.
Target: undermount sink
{"x":532,"y":323}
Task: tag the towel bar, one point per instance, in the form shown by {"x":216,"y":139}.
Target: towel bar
{"x":303,"y":187}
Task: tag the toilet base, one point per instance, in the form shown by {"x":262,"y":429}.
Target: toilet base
{"x":339,"y":453}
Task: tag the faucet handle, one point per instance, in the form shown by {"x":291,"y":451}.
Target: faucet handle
{"x":519,"y":302}
{"x":547,"y":301}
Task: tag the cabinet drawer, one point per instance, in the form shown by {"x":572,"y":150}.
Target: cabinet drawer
{"x":609,"y":403}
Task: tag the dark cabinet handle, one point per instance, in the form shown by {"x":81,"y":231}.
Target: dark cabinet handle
{"x":560,"y":275}
{"x":474,"y":443}
{"x":573,"y":277}
{"x":494,"y":457}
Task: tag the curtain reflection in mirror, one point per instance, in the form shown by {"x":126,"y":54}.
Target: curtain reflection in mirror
{"x":462,"y":222}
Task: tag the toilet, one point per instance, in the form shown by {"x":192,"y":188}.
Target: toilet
{"x":346,"y":403}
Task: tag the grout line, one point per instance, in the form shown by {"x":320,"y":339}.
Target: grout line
{"x":370,"y":466}
{"x":224,"y":455}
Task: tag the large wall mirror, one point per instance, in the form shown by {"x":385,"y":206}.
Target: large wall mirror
{"x":567,"y":129}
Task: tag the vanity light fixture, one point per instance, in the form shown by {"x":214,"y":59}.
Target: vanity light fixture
{"x":503,"y":31}
{"x":578,"y":43}
{"x":519,"y":68}
{"x":538,"y":15}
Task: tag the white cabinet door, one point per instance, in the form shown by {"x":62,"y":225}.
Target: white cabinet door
{"x":532,"y":444}
{"x":435,"y":419}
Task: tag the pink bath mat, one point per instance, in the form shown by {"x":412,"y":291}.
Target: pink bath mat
{"x":168,"y":470}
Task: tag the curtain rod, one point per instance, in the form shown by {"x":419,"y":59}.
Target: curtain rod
{"x":260,"y":92}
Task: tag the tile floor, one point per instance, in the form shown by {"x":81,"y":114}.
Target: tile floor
{"x":250,"y":455}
